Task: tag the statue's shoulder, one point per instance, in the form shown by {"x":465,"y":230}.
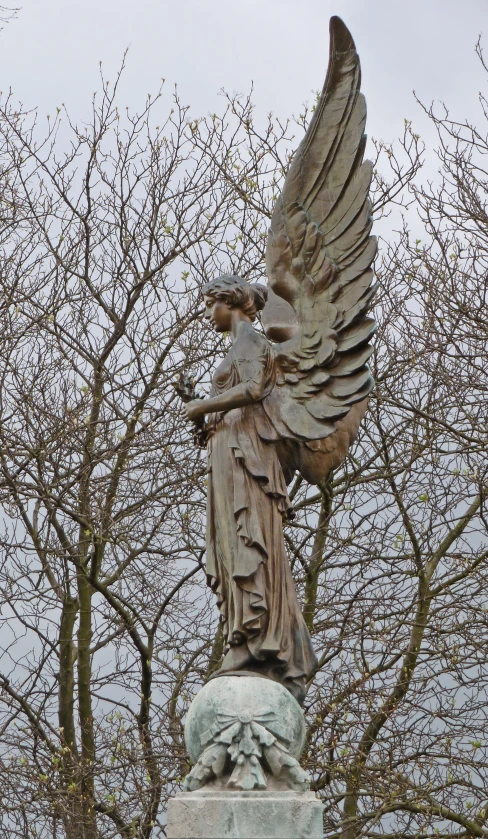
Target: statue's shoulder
{"x":251,"y":343}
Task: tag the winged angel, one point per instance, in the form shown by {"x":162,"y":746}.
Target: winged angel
{"x":293,"y":402}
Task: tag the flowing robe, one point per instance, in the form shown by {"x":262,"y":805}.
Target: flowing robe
{"x":247,"y":565}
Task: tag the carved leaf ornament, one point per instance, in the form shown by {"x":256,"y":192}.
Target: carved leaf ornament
{"x":249,"y":747}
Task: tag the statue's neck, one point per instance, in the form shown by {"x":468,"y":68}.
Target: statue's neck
{"x":239,"y":321}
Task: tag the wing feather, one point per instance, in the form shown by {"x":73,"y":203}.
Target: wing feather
{"x":352,"y":202}
{"x":332,"y":185}
{"x":356,"y":335}
{"x":350,"y":362}
{"x":319,"y":258}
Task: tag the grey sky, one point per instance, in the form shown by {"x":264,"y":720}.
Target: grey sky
{"x":50,"y":54}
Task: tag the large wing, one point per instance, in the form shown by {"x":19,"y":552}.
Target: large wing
{"x":318,"y":261}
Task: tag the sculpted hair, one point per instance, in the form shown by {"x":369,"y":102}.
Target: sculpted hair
{"x":238,"y":293}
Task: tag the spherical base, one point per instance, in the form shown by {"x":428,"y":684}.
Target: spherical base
{"x":228,"y":705}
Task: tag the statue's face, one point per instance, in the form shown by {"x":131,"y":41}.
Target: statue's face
{"x":218,"y":314}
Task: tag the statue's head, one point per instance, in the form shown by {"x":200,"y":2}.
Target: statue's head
{"x":232,"y":292}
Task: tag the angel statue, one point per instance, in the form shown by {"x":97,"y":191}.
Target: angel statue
{"x":290,"y":399}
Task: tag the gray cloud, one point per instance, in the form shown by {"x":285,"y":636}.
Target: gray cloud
{"x":50,"y":54}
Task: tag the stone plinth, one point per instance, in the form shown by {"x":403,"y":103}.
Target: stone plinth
{"x":212,"y":814}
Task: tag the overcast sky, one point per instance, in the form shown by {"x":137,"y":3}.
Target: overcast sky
{"x":50,"y":54}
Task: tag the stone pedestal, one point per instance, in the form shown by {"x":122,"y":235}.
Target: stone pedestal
{"x":245,"y":815}
{"x":245,"y":735}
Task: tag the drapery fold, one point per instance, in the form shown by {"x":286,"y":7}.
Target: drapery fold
{"x":247,"y":565}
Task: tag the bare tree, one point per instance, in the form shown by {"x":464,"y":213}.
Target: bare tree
{"x":102,"y":551}
{"x":108,"y":630}
{"x":7,"y":13}
{"x":398,"y":742}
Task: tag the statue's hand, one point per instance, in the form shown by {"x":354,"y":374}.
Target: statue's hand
{"x":194,"y":409}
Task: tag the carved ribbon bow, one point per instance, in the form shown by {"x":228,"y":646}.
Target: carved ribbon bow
{"x":254,"y":745}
